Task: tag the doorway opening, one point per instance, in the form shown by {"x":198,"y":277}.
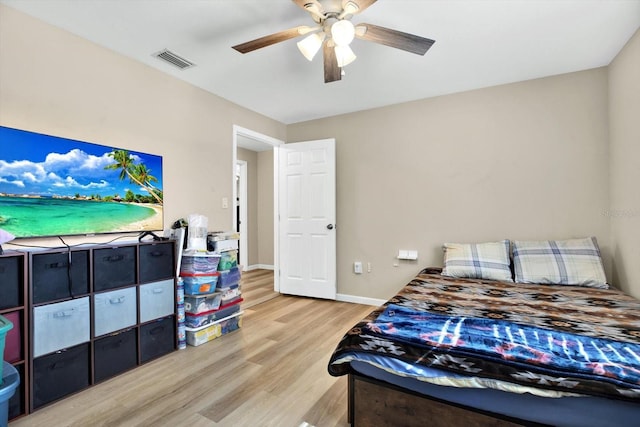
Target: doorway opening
{"x":255,"y":220}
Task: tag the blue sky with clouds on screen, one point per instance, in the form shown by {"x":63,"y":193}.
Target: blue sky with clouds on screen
{"x":32,"y":163}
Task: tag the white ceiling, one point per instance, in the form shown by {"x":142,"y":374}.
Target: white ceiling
{"x":479,"y":43}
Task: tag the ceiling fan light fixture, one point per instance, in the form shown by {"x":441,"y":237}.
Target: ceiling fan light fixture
{"x":311,"y":44}
{"x":344,"y":55}
{"x":343,"y":32}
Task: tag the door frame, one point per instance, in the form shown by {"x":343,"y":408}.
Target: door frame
{"x":241,"y":165}
{"x":239,"y":131}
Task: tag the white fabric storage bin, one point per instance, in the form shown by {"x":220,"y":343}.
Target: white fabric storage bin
{"x":114,"y":310}
{"x":60,"y":325}
{"x":157,"y":300}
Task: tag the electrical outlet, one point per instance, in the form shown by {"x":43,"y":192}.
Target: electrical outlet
{"x":357,"y":267}
{"x":225,"y":203}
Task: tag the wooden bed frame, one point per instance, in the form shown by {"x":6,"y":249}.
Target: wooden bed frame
{"x":376,"y":403}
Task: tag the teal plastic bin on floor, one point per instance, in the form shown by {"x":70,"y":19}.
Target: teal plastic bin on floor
{"x":10,"y":381}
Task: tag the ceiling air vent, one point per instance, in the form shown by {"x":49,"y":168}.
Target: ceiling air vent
{"x":173,"y":59}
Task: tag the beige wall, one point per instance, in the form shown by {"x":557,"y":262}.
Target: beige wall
{"x":265,"y":208}
{"x":251,"y":157}
{"x":521,"y":161}
{"x":56,"y":83}
{"x":624,"y":119}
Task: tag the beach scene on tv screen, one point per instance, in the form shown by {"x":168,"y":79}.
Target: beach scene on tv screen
{"x":53,"y":186}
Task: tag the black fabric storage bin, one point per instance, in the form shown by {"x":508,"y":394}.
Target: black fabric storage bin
{"x":16,"y":403}
{"x":50,"y":274}
{"x":114,"y":267}
{"x":59,"y":374}
{"x":115,"y":354}
{"x":157,"y":338}
{"x":156,"y":261}
{"x":11,"y":281}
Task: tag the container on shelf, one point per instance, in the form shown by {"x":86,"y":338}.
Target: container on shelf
{"x":157,"y":299}
{"x":225,"y":245}
{"x":204,"y":334}
{"x":71,"y":321}
{"x":229,"y":277}
{"x":230,"y":294}
{"x":157,"y":338}
{"x":228,"y":260}
{"x":5,"y":326}
{"x":114,"y":354}
{"x":199,"y":263}
{"x":13,"y":338}
{"x":197,"y":304}
{"x":208,"y":317}
{"x":231,"y":324}
{"x":60,"y":374}
{"x":12,"y":280}
{"x":198,"y":283}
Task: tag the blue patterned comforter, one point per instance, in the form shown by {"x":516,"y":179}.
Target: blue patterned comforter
{"x":566,"y":338}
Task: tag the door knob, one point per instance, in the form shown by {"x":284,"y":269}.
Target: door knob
{"x":330,"y":227}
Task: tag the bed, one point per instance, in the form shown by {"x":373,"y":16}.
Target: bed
{"x":508,"y":333}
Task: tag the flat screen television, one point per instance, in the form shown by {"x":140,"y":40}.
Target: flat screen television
{"x":53,"y":186}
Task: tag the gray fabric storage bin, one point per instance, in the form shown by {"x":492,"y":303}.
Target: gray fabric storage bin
{"x":11,"y":281}
{"x":60,"y":374}
{"x":114,"y":310}
{"x":114,"y":267}
{"x":157,"y":300}
{"x":115,"y":353}
{"x":60,"y":325}
{"x":157,"y":338}
{"x":156,"y":261}
{"x":59,"y":275}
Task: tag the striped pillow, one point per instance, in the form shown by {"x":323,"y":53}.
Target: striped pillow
{"x":478,"y":260}
{"x":562,"y":262}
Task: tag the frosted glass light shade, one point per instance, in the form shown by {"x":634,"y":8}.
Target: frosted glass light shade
{"x":344,"y":55}
{"x":343,"y":32}
{"x":310,"y":45}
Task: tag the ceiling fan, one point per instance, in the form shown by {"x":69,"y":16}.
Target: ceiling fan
{"x":334,"y":32}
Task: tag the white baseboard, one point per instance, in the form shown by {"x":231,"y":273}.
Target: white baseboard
{"x":360,"y":300}
{"x":259,"y":267}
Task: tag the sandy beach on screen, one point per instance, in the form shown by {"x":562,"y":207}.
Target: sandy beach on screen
{"x":153,"y":223}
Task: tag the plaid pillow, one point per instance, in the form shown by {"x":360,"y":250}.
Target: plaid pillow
{"x":562,"y":262}
{"x":478,"y":260}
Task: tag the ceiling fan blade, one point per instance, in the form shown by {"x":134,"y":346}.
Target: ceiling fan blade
{"x":272,"y":39}
{"x":362,"y":4}
{"x":332,"y":72}
{"x":398,"y":39}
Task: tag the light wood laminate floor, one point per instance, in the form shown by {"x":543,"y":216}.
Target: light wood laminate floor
{"x":271,"y":372}
{"x":257,"y":287}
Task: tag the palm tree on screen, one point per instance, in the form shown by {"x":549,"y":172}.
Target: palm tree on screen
{"x":137,"y":173}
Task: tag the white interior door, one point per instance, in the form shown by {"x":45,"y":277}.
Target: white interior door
{"x":307,"y":212}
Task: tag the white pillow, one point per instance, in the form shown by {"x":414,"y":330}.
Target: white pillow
{"x":478,"y":260}
{"x":559,"y":262}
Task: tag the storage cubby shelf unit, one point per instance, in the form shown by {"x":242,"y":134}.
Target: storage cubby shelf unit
{"x":95,"y":312}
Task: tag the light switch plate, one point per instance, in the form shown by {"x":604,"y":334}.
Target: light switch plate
{"x":357,"y":267}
